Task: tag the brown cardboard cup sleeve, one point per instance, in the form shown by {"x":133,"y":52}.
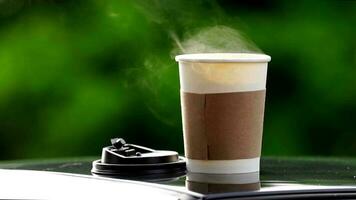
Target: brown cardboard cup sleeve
{"x":223,"y":126}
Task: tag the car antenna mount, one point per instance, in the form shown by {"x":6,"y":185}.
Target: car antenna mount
{"x":130,"y":161}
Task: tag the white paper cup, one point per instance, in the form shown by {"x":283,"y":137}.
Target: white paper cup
{"x":222,"y":96}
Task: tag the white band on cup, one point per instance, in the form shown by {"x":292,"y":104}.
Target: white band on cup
{"x":224,"y":57}
{"x":224,"y":166}
{"x":203,"y":78}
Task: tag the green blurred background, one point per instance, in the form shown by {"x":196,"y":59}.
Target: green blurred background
{"x":75,"y":73}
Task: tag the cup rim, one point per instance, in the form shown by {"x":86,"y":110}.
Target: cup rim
{"x":224,"y":57}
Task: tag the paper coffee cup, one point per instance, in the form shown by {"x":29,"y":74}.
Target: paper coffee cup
{"x":222,"y":101}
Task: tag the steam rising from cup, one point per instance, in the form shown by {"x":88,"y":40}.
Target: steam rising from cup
{"x":214,"y":39}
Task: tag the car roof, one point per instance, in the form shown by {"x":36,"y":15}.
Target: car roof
{"x":279,"y":177}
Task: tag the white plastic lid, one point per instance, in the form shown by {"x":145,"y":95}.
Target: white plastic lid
{"x":223,"y":57}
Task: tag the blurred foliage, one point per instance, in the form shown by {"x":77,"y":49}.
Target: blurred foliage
{"x":75,"y":73}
